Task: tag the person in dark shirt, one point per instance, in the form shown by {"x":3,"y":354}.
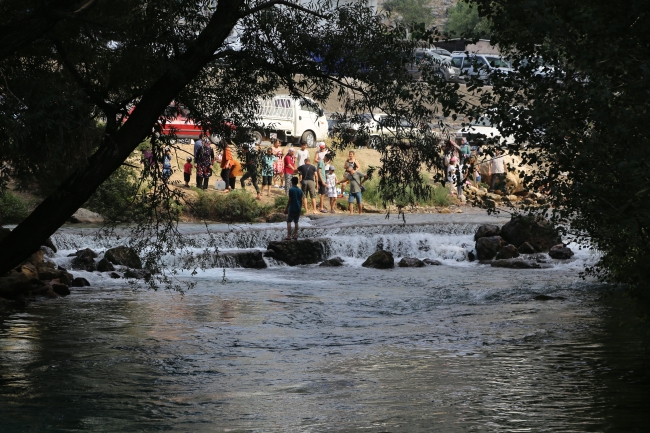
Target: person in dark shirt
{"x":251,"y":157}
{"x":308,"y":177}
{"x":293,"y":209}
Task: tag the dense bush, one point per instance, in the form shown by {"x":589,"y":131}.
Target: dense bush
{"x":439,"y":195}
{"x":117,"y":198}
{"x":281,"y":202}
{"x":236,"y":206}
{"x":12,"y":209}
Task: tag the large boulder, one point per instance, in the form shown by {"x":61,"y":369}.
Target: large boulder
{"x":488,"y":247}
{"x":333,"y":262}
{"x":84,"y":260}
{"x":245,"y":259}
{"x":79,"y":282}
{"x":105,"y":266}
{"x":84,"y":216}
{"x":124,"y":256}
{"x":526,"y":248}
{"x":15,"y":285}
{"x":299,"y":252}
{"x":507,"y":252}
{"x":487,"y":230}
{"x":380,"y":260}
{"x":410,"y":262}
{"x":560,"y":252}
{"x":138,"y":274}
{"x":535,"y":230}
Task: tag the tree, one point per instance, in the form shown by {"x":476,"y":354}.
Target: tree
{"x":463,"y":21}
{"x":410,"y":11}
{"x":577,"y":107}
{"x":102,"y":84}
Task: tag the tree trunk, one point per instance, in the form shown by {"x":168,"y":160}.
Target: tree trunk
{"x":56,"y":209}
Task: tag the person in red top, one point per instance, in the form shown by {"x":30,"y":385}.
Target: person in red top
{"x":289,"y":169}
{"x":187,"y":171}
{"x":226,"y":163}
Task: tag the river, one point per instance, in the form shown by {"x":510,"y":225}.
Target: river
{"x":453,"y":348}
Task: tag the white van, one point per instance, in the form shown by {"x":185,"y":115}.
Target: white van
{"x":291,"y":121}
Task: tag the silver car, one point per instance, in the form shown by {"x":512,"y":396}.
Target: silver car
{"x":437,"y":64}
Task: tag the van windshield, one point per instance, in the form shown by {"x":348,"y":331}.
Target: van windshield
{"x":497,"y":62}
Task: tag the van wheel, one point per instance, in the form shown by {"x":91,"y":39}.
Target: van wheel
{"x":257,"y":137}
{"x":309,"y":137}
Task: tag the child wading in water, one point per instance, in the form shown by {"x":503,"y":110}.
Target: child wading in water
{"x":331,"y":187}
{"x":187,"y":171}
{"x":294,"y":206}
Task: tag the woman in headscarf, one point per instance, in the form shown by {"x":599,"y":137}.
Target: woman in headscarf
{"x":204,"y":163}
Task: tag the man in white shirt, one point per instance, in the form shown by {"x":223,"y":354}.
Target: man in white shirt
{"x":302,"y":154}
{"x":497,"y":172}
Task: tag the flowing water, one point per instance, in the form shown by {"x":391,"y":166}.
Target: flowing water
{"x":451,"y":348}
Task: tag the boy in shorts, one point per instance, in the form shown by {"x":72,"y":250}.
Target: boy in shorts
{"x":294,"y":206}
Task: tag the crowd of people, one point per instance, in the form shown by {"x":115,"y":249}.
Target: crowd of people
{"x":462,"y":164}
{"x":312,"y":183}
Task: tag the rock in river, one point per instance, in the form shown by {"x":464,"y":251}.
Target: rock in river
{"x":299,"y":252}
{"x":84,"y":260}
{"x":487,"y":230}
{"x":488,"y":247}
{"x":124,"y":256}
{"x":105,"y":266}
{"x":560,"y":252}
{"x":334,"y":261}
{"x":380,"y":260}
{"x":84,"y":216}
{"x":410,"y":262}
{"x":507,"y":252}
{"x":535,"y":230}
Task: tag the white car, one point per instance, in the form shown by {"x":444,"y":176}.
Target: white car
{"x":290,"y":120}
{"x":483,"y":129}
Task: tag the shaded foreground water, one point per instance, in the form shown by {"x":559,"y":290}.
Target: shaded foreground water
{"x":459,"y":347}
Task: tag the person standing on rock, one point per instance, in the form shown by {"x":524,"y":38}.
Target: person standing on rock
{"x":497,"y":172}
{"x":293,"y":209}
{"x":251,"y":156}
{"x":308,"y":176}
{"x":452,"y":175}
{"x":289,"y":169}
{"x":465,"y":150}
{"x":355,"y":179}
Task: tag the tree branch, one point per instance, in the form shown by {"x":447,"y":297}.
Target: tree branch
{"x":282,"y":2}
{"x":94,"y":96}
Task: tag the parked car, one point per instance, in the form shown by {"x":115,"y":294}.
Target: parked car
{"x":362,"y":130}
{"x":483,"y":129}
{"x":178,"y":122}
{"x":440,"y":52}
{"x":437,"y":64}
{"x":480,"y":65}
